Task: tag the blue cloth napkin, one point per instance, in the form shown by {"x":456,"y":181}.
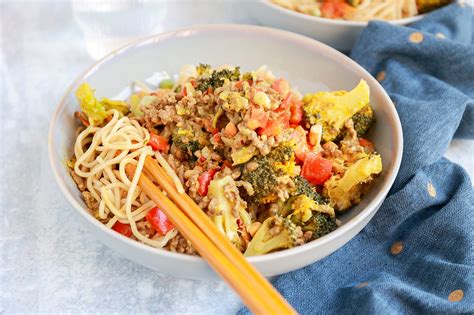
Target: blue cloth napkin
{"x":417,"y":254}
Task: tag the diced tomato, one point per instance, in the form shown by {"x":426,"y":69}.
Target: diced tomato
{"x":159,"y":221}
{"x":335,"y":9}
{"x":281,"y":86}
{"x":122,"y":228}
{"x":216,"y":137}
{"x":158,"y":143}
{"x":286,"y":101}
{"x":258,"y":118}
{"x":316,"y":169}
{"x":238,"y":85}
{"x":204,"y":181}
{"x":227,"y":164}
{"x":365,"y":143}
{"x":202,"y":159}
{"x":194,"y":83}
{"x":296,"y":110}
{"x":184,"y":91}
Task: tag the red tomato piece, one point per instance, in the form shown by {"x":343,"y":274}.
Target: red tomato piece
{"x":258,"y":118}
{"x":158,"y":143}
{"x":296,"y":110}
{"x":316,"y":169}
{"x":365,"y":143}
{"x":122,"y":228}
{"x":281,"y":86}
{"x":159,"y":221}
{"x":204,"y":181}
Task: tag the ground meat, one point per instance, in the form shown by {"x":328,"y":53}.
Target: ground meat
{"x":145,"y":229}
{"x":350,"y":144}
{"x":90,"y":201}
{"x":80,"y":182}
{"x":179,"y":244}
{"x":285,"y":187}
{"x":331,"y":150}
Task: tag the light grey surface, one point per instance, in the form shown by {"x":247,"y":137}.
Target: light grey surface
{"x":48,"y":263}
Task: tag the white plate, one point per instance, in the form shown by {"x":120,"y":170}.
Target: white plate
{"x":307,"y":64}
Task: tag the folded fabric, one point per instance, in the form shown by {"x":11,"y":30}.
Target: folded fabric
{"x":417,"y":254}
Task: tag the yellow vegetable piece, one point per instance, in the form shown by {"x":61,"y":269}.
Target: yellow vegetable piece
{"x":242,"y":155}
{"x":345,"y":190}
{"x":333,"y":109}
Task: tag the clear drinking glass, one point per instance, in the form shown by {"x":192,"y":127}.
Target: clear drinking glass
{"x":109,"y":24}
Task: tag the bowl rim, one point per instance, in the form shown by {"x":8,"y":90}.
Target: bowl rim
{"x":278,"y":34}
{"x":334,"y":22}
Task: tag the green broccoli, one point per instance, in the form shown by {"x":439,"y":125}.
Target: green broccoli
{"x":263,"y":180}
{"x":203,"y":69}
{"x":332,"y":109}
{"x":303,"y":187}
{"x":185,"y":144}
{"x":282,"y":153}
{"x":217,"y":79}
{"x":363,"y":120}
{"x":274,"y":233}
{"x":320,"y":224}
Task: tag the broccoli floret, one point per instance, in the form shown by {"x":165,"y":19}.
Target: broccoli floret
{"x":303,"y":187}
{"x":319,"y":219}
{"x":346,"y":191}
{"x":203,"y":69}
{"x":274,"y":233}
{"x":282,"y":153}
{"x":217,"y":79}
{"x":186,"y":145}
{"x":319,"y":224}
{"x":363,"y":120}
{"x":332,"y":109}
{"x":263,"y":179}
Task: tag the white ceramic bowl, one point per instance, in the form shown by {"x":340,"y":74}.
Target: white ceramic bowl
{"x":339,"y":34}
{"x":307,"y":64}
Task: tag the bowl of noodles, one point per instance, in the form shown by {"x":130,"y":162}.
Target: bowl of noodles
{"x":289,"y":164}
{"x":338,"y":23}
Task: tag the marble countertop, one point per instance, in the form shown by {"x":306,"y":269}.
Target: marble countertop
{"x":48,"y":262}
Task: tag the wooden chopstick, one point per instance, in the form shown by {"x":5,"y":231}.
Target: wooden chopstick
{"x":221,"y":264}
{"x":203,"y":222}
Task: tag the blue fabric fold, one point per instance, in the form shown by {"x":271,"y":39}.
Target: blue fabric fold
{"x":417,"y":254}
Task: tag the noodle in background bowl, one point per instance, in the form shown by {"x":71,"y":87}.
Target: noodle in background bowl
{"x":307,"y":64}
{"x":339,"y":34}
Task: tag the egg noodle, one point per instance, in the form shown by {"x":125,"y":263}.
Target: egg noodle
{"x":102,"y":154}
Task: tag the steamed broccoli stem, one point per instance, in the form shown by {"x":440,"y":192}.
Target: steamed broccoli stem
{"x":203,"y":69}
{"x":275,"y":233}
{"x":363,"y":120}
{"x":217,"y":79}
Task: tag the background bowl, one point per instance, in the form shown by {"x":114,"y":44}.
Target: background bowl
{"x":307,"y":64}
{"x":339,"y":34}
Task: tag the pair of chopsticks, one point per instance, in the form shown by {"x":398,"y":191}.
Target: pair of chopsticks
{"x":255,"y":291}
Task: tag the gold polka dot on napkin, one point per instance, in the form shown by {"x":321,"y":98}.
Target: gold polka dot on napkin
{"x":416,"y":37}
{"x":431,"y":190}
{"x":362,"y":284}
{"x":396,"y":248}
{"x":440,"y":35}
{"x":380,"y":76}
{"x":456,"y":296}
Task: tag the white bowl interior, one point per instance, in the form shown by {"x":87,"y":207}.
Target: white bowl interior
{"x":308,"y":65}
